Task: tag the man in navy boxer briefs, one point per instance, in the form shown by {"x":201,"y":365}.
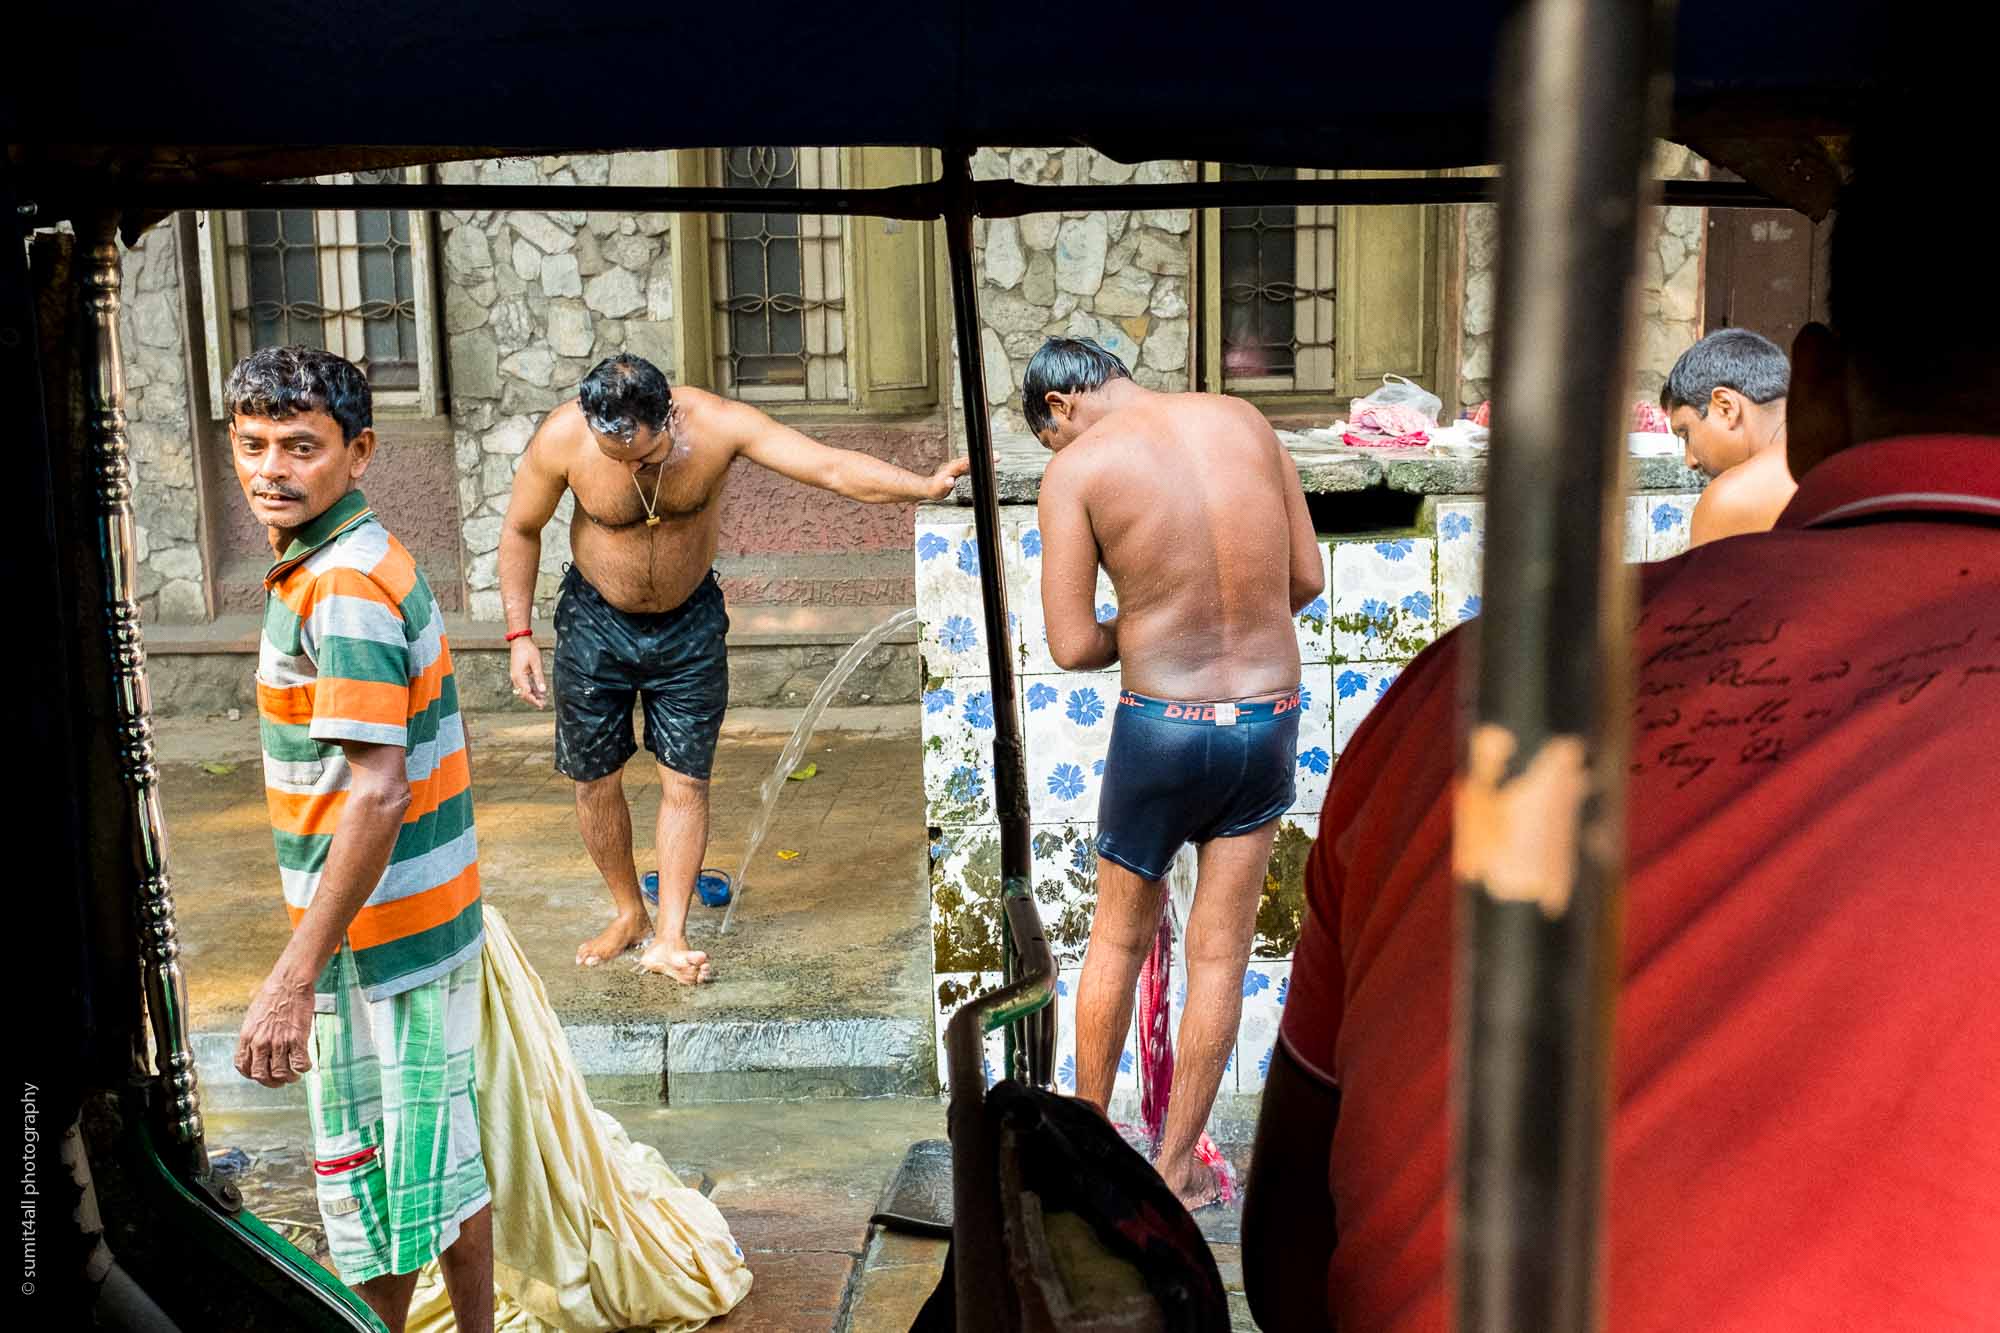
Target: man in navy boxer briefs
{"x":1195,"y":511}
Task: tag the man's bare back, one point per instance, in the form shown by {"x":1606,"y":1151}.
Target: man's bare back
{"x":1176,"y":494}
{"x":1192,"y":506}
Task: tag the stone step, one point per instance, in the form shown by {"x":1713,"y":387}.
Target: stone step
{"x":680,"y":1064}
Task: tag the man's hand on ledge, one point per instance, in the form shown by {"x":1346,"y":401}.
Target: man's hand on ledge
{"x":941,"y":481}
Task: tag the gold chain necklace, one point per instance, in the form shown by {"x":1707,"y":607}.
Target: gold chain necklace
{"x":652,"y":518}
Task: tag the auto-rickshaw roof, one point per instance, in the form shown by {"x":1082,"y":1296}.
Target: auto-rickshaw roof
{"x":239,"y":91}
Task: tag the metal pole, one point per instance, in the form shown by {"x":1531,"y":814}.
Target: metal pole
{"x":1539,"y":820}
{"x":1010,"y":780}
{"x":991,"y":199}
{"x":165,"y":986}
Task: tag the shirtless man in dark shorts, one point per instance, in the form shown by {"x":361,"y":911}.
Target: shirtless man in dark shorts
{"x":641,"y":615}
{"x":1195,"y":511}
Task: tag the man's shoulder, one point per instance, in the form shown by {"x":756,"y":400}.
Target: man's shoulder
{"x":701,"y":410}
{"x":561,"y":431}
{"x":1746,"y":498}
{"x":710,"y":422}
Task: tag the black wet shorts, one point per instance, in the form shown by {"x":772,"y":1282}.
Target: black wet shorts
{"x":675,"y":660}
{"x":1189,"y":772}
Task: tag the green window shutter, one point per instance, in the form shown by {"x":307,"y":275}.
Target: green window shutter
{"x":1387,"y":302}
{"x":893,"y":325}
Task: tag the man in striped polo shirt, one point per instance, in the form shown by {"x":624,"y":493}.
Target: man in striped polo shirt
{"x":375,"y":999}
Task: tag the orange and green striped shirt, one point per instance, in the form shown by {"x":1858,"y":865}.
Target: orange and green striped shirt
{"x":353,"y":649}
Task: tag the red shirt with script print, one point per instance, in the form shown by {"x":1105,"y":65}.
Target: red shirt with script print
{"x":1806,"y":1132}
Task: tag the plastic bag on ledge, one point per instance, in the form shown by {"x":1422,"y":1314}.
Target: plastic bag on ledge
{"x":1397,"y":415}
{"x":1397,"y":391}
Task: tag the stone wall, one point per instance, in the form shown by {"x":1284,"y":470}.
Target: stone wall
{"x":1670,"y":276}
{"x":152,"y":326}
{"x":1670,"y":285}
{"x":1119,"y":277}
{"x":531,"y":302}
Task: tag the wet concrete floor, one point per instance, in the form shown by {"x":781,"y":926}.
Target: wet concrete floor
{"x":842,"y":930}
{"x":797,"y":1182}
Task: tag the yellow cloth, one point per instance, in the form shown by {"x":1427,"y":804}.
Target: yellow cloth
{"x":591,"y":1231}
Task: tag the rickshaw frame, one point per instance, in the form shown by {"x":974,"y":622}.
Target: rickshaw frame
{"x":1552,"y":580}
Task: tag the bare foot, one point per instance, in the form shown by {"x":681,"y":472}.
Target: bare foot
{"x":673,"y":958}
{"x":624,"y":931}
{"x":1193,"y":1183}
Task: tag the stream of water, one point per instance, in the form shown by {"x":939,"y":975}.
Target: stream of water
{"x":795,"y":747}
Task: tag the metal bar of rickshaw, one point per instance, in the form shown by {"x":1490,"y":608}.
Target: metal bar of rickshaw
{"x":921,"y":202}
{"x":165,"y":985}
{"x":1539,"y":831}
{"x":1010,"y":781}
{"x":174,"y":1143}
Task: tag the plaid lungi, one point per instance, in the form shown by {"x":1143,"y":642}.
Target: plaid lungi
{"x":395,"y":1119}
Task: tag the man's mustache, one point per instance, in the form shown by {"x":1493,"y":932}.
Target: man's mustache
{"x":276,"y":492}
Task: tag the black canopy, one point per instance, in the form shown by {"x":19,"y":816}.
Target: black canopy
{"x":1283,"y":82}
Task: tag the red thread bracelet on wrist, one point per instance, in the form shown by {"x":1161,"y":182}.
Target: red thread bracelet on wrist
{"x":514,"y":634}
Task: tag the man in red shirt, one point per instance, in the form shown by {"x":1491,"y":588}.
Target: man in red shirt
{"x":1806,"y":1125}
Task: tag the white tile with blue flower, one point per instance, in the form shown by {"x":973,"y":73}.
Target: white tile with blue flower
{"x":957,"y":724}
{"x":1461,"y":552}
{"x":1315,"y":747}
{"x":1067,"y":724}
{"x":1064,"y":875}
{"x":1637,"y":522}
{"x":947,"y":579}
{"x":951,"y":991}
{"x":1667,"y":518}
{"x":947,"y":585}
{"x":1265,"y":987}
{"x":1314,"y":619}
{"x":1357,"y":688}
{"x":1024,"y":598}
{"x":1384,"y":598}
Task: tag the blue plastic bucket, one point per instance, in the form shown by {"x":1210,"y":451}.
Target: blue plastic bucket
{"x":712,"y":887}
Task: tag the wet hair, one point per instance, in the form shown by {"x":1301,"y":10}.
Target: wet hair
{"x":1908,"y":291}
{"x":280,"y":382}
{"x":1736,"y":359}
{"x":622,"y":392}
{"x":1065,"y":365}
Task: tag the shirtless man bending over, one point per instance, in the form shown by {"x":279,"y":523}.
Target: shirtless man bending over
{"x":640,"y":614}
{"x":1725,"y":398}
{"x":1195,"y":511}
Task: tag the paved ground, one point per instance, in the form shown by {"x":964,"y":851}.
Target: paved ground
{"x":797,"y":1182}
{"x":843,"y":930}
{"x":839,"y":933}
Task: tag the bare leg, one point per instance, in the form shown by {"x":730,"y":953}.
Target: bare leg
{"x":680,"y":841}
{"x":1121,"y":933}
{"x":468,"y":1273}
{"x":389,"y":1297}
{"x":606,"y":822}
{"x":1220,"y":929}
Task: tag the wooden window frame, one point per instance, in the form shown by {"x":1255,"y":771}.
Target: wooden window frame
{"x":218,"y":324}
{"x":895,"y":309}
{"x":1353,"y":374}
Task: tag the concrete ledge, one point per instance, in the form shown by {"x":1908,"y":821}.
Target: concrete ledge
{"x":749,"y":627}
{"x":726,"y":1060}
{"x":1019,"y":462}
{"x":777,"y":657}
{"x":758,"y":1060}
